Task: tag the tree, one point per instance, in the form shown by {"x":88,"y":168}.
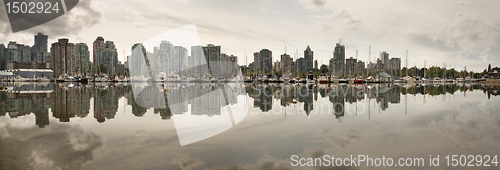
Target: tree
{"x":489,"y":67}
{"x":103,"y":68}
{"x":323,"y":69}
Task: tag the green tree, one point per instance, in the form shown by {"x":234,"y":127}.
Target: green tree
{"x":323,"y":69}
{"x":103,"y":68}
{"x":303,"y":74}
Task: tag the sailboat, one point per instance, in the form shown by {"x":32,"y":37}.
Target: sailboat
{"x":408,"y":79}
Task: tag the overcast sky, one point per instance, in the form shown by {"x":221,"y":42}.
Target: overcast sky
{"x":460,"y":32}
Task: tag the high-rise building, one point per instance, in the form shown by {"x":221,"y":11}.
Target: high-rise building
{"x":286,"y":63}
{"x":395,"y":67}
{"x":350,"y":66}
{"x":3,"y":58}
{"x":82,"y":59}
{"x":233,"y":67}
{"x":63,"y":54}
{"x":360,"y":68}
{"x":228,"y":64}
{"x":301,"y":66}
{"x":180,"y":60}
{"x":164,"y":56}
{"x":109,"y":57}
{"x":197,"y":62}
{"x":17,"y":52}
{"x":384,"y":56}
{"x":308,"y":55}
{"x":266,"y":61}
{"x":98,"y":43}
{"x":331,"y":65}
{"x":24,"y":52}
{"x":136,"y":61}
{"x":11,"y":53}
{"x":212,"y":56}
{"x":339,"y":60}
{"x":39,"y":51}
{"x":257,"y":63}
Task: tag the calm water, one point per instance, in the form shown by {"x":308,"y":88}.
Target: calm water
{"x":241,"y":126}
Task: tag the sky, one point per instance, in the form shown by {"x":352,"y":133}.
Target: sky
{"x":455,"y":33}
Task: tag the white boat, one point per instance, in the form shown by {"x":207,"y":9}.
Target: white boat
{"x":42,"y":79}
{"x":322,"y":79}
{"x":358,"y":79}
{"x":173,"y":77}
{"x":369,"y":79}
{"x":310,"y":79}
{"x":21,"y":79}
{"x":334,"y":79}
{"x":409,"y":80}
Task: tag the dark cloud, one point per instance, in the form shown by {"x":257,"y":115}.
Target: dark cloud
{"x":84,"y":15}
{"x":425,"y":41}
{"x":58,"y":146}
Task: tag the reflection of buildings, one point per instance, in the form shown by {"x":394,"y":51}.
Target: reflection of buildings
{"x":263,"y":97}
{"x":21,"y":103}
{"x":305,"y":95}
{"x":337,"y":99}
{"x":105,"y":103}
{"x":73,"y":100}
{"x":354,"y":93}
{"x":287,"y":95}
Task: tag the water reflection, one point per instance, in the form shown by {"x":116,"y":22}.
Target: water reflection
{"x":67,"y":100}
{"x":260,"y":142}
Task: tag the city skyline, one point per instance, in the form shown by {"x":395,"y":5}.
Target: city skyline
{"x":448,"y":36}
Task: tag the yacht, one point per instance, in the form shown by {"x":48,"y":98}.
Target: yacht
{"x":369,"y":79}
{"x":310,"y":79}
{"x":334,"y":79}
{"x":358,"y":79}
{"x":409,"y":80}
{"x":323,"y":79}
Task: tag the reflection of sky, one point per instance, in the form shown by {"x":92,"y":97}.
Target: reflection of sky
{"x":451,"y":124}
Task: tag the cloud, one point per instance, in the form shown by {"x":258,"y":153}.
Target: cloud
{"x":475,"y":37}
{"x":84,"y":15}
{"x":311,"y":4}
{"x":186,"y":162}
{"x":139,"y":24}
{"x":472,"y":125}
{"x":463,"y":2}
{"x":267,"y":162}
{"x":58,"y":146}
{"x":340,"y":138}
{"x":340,"y":20}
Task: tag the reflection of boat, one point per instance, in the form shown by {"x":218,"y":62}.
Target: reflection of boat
{"x":399,"y":81}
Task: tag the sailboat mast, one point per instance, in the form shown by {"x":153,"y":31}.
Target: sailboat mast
{"x":406,"y":62}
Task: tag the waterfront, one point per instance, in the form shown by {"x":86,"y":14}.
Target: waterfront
{"x":251,"y":126}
